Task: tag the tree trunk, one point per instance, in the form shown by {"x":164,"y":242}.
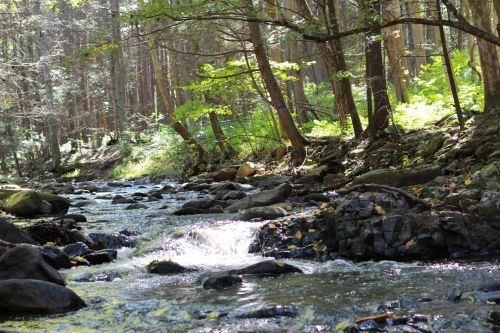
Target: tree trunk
{"x":332,"y":55}
{"x":394,"y":40}
{"x":496,"y":4}
{"x":376,"y":75}
{"x":53,"y":126}
{"x":169,"y":109}
{"x":278,"y":101}
{"x":488,"y":56}
{"x":117,"y":77}
{"x":224,"y":146}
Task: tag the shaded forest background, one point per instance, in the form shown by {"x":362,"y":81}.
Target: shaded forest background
{"x":196,"y":83}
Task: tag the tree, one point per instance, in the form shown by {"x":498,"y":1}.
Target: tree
{"x":278,"y":101}
{"x":488,"y":56}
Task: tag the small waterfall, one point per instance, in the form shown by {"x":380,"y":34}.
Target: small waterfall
{"x":213,"y":245}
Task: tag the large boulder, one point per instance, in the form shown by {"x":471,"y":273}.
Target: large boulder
{"x":27,"y":262}
{"x":260,"y":199}
{"x":165,"y":267}
{"x":114,"y":240}
{"x":225,"y":174}
{"x":36,"y":297}
{"x":264,"y":213}
{"x":399,"y":178}
{"x":12,"y":234}
{"x":219,"y":281}
{"x":29,"y":203}
{"x":247,"y":169}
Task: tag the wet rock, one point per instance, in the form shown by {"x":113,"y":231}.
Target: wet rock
{"x":454,"y":294}
{"x":267,"y":268}
{"x":136,"y":206}
{"x":225,"y":174}
{"x":271,"y":312}
{"x":203,"y":204}
{"x":77,"y":249}
{"x":36,"y":297}
{"x":399,"y":178}
{"x":12,"y":234}
{"x":120,"y":199}
{"x":188,"y":211}
{"x":247,"y":169}
{"x":78,"y":218}
{"x":264,"y":213}
{"x":219,"y":281}
{"x":489,"y":287}
{"x":55,"y":257}
{"x":30,"y":203}
{"x":270,"y":182}
{"x":165,"y":267}
{"x":495,"y":317}
{"x":264,"y":198}
{"x":317,"y":197}
{"x":216,"y":210}
{"x":493,"y":297}
{"x":100,"y":257}
{"x":234,"y":195}
{"x":27,"y":262}
{"x":156,"y":195}
{"x":110,"y":241}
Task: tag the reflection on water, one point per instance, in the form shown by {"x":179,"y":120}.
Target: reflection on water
{"x":330,"y":292}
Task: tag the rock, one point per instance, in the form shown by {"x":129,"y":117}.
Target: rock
{"x":264,"y":213}
{"x":120,"y":199}
{"x":203,"y":204}
{"x":216,"y":210}
{"x":454,"y":294}
{"x":55,"y":257}
{"x":27,"y":262}
{"x":489,"y":206}
{"x":431,"y":146}
{"x":247,"y":169}
{"x":225,"y":174}
{"x":483,"y":151}
{"x":37,"y":297}
{"x":136,"y":206}
{"x":110,"y":241}
{"x":188,"y":211}
{"x":270,"y":182}
{"x":317,"y":197}
{"x":493,"y":297}
{"x":78,"y":218}
{"x":234,"y":195}
{"x":12,"y":234}
{"x":271,"y":312}
{"x":489,"y":287}
{"x":165,"y":267}
{"x":219,"y":281}
{"x":488,"y":178}
{"x":267,"y":268}
{"x":334,"y":179}
{"x":399,"y":178}
{"x":264,"y":198}
{"x":100,"y":257}
{"x":280,"y":152}
{"x":77,"y":249}
{"x":29,"y":203}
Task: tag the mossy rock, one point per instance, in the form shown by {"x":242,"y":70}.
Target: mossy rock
{"x":29,"y":203}
{"x":431,"y":146}
{"x":399,"y":178}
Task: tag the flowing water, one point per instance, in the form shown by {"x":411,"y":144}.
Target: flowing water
{"x":329,"y":293}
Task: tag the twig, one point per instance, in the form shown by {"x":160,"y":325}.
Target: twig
{"x":385,"y":188}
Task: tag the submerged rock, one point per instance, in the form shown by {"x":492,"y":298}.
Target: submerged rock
{"x":36,"y":297}
{"x":267,"y":268}
{"x":219,"y":281}
{"x":27,"y":262}
{"x":120,"y":199}
{"x":165,"y":267}
{"x":271,"y":312}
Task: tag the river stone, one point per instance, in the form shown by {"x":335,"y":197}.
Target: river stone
{"x":77,"y":249}
{"x":234,"y":195}
{"x":110,"y":241}
{"x":247,"y":169}
{"x":34,"y":296}
{"x":79,"y":218}
{"x":219,"y":281}
{"x":165,"y":267}
{"x":55,"y":257}
{"x":188,"y":211}
{"x":29,"y":203}
{"x":271,"y":312}
{"x":225,"y":174}
{"x":264,"y":213}
{"x":203,"y":204}
{"x":27,"y":262}
{"x":399,"y":178}
{"x":267,"y":268}
{"x":120,"y":199}
{"x":489,"y":206}
{"x":136,"y":206}
{"x":264,"y":198}
{"x":317,"y":197}
{"x":489,"y":287}
{"x":100,"y":257}
{"x":9,"y":232}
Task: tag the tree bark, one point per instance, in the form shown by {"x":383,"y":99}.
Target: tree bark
{"x":488,"y":56}
{"x":278,"y":101}
{"x":394,"y":40}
